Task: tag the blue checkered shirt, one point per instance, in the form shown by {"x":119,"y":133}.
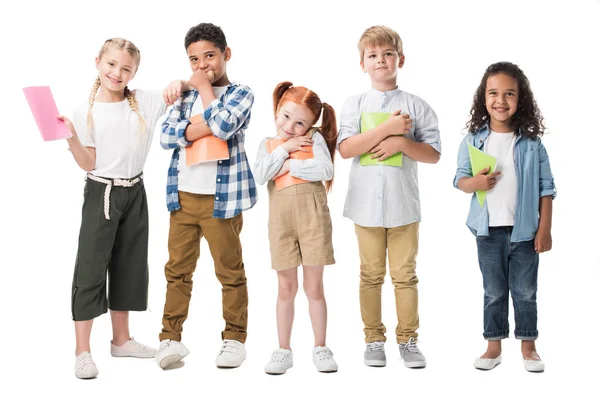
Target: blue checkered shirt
{"x":228,"y":118}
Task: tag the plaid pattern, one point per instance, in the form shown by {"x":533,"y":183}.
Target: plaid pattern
{"x":228,"y":118}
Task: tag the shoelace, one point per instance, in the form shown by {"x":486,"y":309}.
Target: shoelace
{"x":411,"y":347}
{"x":278,"y":356}
{"x":376,"y":346}
{"x":164,"y":345}
{"x":324,"y":354}
{"x":85,"y":360}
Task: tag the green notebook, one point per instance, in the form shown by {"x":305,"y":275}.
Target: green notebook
{"x":369,"y":120}
{"x":479,"y":161}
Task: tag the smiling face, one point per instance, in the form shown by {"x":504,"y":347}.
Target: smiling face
{"x":205,"y":55}
{"x":501,"y":101}
{"x":115,"y":69}
{"x":293,"y":120}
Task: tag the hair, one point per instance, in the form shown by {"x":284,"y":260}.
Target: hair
{"x":526,"y":121}
{"x":379,"y":35}
{"x":208,"y":32}
{"x":285,"y":91}
{"x":125,"y":45}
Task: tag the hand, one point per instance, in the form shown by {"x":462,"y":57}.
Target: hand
{"x":485,"y":181}
{"x":201,"y":78}
{"x":285,"y":168}
{"x":297,"y":143}
{"x":69,"y":124}
{"x":543,"y":240}
{"x":173,"y":92}
{"x":388,"y":147}
{"x":398,"y":124}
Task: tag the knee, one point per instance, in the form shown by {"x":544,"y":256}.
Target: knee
{"x":373,"y":277}
{"x":314,"y":291}
{"x":287,"y":290}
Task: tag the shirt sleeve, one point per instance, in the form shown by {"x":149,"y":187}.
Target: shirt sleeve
{"x":426,"y":126}
{"x":173,"y":128}
{"x":268,"y":164}
{"x":152,"y":104}
{"x":319,"y":168}
{"x":547,"y":187}
{"x":349,"y":120}
{"x":228,"y":117}
{"x":463,"y":169}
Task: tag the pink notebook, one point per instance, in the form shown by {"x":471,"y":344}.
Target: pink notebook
{"x":44,"y":111}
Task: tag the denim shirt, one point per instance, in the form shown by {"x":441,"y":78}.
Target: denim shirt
{"x":534,"y":181}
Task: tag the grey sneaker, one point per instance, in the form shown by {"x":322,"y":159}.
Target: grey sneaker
{"x":411,"y":355}
{"x":375,"y":354}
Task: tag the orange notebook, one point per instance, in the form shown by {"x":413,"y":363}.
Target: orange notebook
{"x":207,"y":148}
{"x":286,"y":180}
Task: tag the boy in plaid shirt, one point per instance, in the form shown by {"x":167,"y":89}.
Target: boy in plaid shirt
{"x":207,"y":199}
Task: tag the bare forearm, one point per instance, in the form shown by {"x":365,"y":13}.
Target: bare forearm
{"x":196,"y":131}
{"x":545,"y":212}
{"x":466,"y":185}
{"x":84,"y":157}
{"x":362,"y":143}
{"x":421,"y":152}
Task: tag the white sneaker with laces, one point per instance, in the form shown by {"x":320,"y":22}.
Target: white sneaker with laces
{"x":323,"y":359}
{"x":85,"y":368}
{"x":131,"y":348}
{"x":232,"y":354}
{"x":281,"y":361}
{"x":170,"y":352}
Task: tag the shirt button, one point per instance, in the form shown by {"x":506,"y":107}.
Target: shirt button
{"x":217,"y":198}
{"x":220,"y":162}
{"x":218,"y":179}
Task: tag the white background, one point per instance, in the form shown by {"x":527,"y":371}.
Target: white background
{"x":448,"y":45}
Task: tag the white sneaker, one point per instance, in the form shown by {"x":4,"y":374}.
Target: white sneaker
{"x":170,"y":352}
{"x":131,"y":348}
{"x":323,"y":359}
{"x":85,"y":368}
{"x":232,"y":354}
{"x":487,"y":363}
{"x":281,"y":361}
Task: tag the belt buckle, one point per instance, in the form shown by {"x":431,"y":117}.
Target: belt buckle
{"x":123,"y":182}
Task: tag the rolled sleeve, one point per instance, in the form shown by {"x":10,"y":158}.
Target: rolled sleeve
{"x":463,"y":169}
{"x":173,"y":129}
{"x":349,"y":120}
{"x":226,"y":117}
{"x":426,"y":126}
{"x":547,"y":187}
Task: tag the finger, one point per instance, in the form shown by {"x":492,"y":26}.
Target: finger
{"x":495,"y":173}
{"x":484,"y":171}
{"x":395,"y":113}
{"x":384,"y":157}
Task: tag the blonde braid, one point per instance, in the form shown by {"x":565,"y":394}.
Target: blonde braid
{"x":134,"y":106}
{"x":91,"y":100}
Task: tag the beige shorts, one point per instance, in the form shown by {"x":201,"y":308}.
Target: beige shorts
{"x":299,"y":226}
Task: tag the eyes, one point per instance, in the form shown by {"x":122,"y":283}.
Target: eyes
{"x":208,"y":56}
{"x":299,"y":123}
{"x":507,"y":94}
{"x":112,"y":64}
{"x":386,"y":54}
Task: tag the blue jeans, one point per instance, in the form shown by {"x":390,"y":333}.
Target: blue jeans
{"x":505,"y":267}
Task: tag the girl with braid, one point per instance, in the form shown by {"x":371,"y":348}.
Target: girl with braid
{"x":111,"y":139}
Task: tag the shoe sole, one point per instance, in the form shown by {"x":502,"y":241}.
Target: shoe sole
{"x":375,"y":363}
{"x":328,"y":371}
{"x":415,"y":364}
{"x":488,"y":369}
{"x":171,"y":360}
{"x":90,"y":376}
{"x":135,"y":355}
{"x":230,"y":366}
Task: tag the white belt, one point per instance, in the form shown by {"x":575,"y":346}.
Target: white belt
{"x":109,"y":184}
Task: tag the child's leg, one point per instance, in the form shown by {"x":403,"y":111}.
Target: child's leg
{"x":223,"y":237}
{"x":317,"y":306}
{"x":523,"y":272}
{"x":120,"y":327}
{"x":288,"y":287}
{"x":492,"y":252}
{"x":403,"y":243}
{"x":83,"y":331}
{"x":372,"y":245}
{"x":184,"y":251}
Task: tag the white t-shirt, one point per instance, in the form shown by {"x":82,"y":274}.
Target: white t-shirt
{"x":121,"y":148}
{"x":502,"y":198}
{"x":198,"y":178}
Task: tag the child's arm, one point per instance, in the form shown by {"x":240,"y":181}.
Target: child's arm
{"x":422,"y":152}
{"x":225,"y":119}
{"x":543,"y":237}
{"x":464,"y":180}
{"x":319,"y":168}
{"x":173,"y":128}
{"x":84,"y":156}
{"x":268,"y":164}
{"x":360,"y":144}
